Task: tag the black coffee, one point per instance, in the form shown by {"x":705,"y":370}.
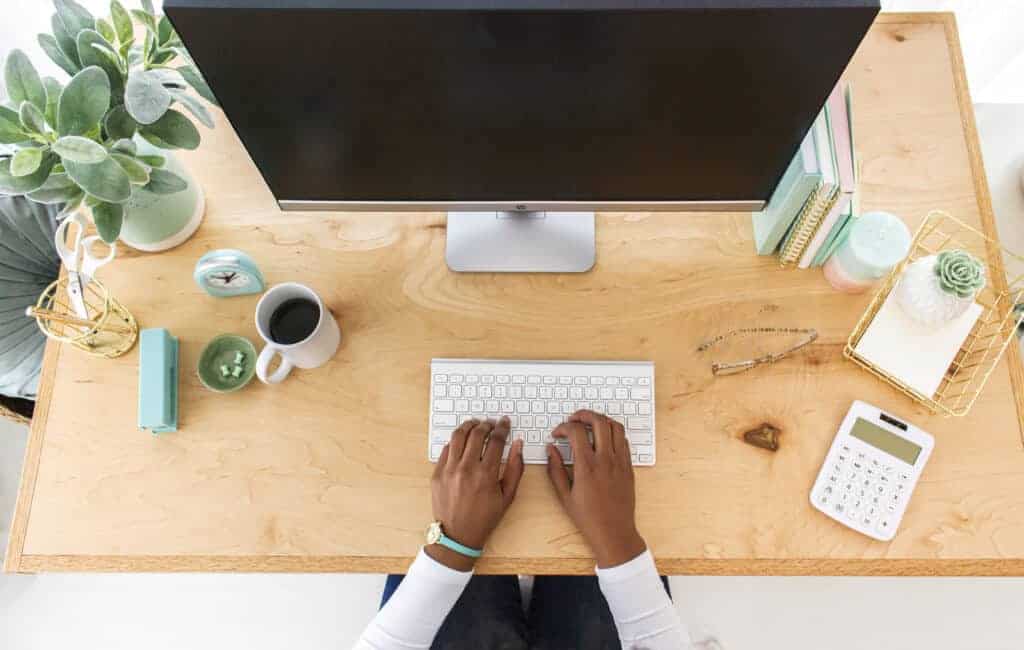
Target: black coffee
{"x":294,"y":320}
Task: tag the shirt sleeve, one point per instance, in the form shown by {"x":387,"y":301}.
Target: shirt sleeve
{"x":415,"y":612}
{"x":644,"y":614}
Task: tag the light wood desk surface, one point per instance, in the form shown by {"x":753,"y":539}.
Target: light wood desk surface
{"x":328,"y":471}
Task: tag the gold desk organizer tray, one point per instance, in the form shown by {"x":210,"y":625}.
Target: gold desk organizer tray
{"x":987,"y":341}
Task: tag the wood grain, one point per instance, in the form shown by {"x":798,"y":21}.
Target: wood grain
{"x":327,"y":471}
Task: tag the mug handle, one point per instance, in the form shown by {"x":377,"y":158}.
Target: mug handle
{"x":263,"y":363}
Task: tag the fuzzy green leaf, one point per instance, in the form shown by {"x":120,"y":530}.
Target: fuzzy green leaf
{"x":145,"y":97}
{"x":105,"y":181}
{"x":90,"y":55}
{"x":26,"y":161}
{"x":196,"y":80}
{"x":137,"y":172}
{"x":124,"y":146}
{"x":165,"y":32}
{"x":108,"y":218}
{"x":153,"y":161}
{"x":52,"y":49}
{"x":10,"y":184}
{"x":119,"y":124}
{"x":84,"y":102}
{"x":65,"y":42}
{"x":79,"y":149}
{"x":10,"y":127}
{"x":53,"y":90}
{"x":169,"y":78}
{"x":147,"y":20}
{"x":162,"y":56}
{"x":162,"y":181}
{"x":106,"y":30}
{"x":74,"y":16}
{"x":58,"y":188}
{"x":32,"y":119}
{"x":174,"y":130}
{"x":23,"y":82}
{"x":147,"y":6}
{"x":193,"y":105}
{"x":122,"y":22}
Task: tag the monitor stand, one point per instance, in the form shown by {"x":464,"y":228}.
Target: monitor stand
{"x":520,"y":242}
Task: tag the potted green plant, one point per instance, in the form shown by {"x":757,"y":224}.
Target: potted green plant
{"x":102,"y":142}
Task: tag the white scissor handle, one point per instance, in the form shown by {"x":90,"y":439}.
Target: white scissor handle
{"x":71,"y":256}
{"x":89,"y":261}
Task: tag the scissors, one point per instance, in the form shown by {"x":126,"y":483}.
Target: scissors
{"x":79,"y":260}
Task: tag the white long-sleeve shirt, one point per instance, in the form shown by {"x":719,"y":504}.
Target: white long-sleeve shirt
{"x":643,"y":612}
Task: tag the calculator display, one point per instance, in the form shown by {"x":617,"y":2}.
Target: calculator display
{"x":887,"y":441}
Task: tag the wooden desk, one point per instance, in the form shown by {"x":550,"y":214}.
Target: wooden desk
{"x":327,"y":472}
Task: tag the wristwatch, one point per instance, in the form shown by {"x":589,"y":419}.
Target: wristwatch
{"x":436,"y":536}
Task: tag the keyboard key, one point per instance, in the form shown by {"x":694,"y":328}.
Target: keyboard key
{"x":502,"y":379}
{"x":533,"y":379}
{"x":641,"y":438}
{"x":541,"y":421}
{"x":444,"y":419}
{"x":580,"y":381}
{"x":492,"y":406}
{"x":629,"y":408}
{"x":518,"y":379}
{"x":645,"y":458}
{"x":454,"y":390}
{"x":552,"y":407}
{"x":597,"y":381}
{"x":621,"y":393}
{"x":440,"y":390}
{"x":599,"y":407}
{"x":548,"y":379}
{"x":522,"y":406}
{"x":607,"y":393}
{"x":568,"y":408}
{"x":534,"y":452}
{"x":484,"y":391}
{"x":457,"y":379}
{"x":472,"y":379}
{"x":644,"y":408}
{"x":501,"y":392}
{"x":531,"y":392}
{"x":533,"y":436}
{"x":515,"y":392}
{"x":565,"y":381}
{"x":644,"y":381}
{"x":444,"y":405}
{"x":477,"y":406}
{"x":462,"y":405}
{"x":440,"y":379}
{"x":561,"y":393}
{"x":590,"y":393}
{"x":576,"y":393}
{"x":628,"y":381}
{"x":611,"y":381}
{"x":537,"y":406}
{"x":641,"y":422}
{"x":526,"y":421}
{"x":640,"y":393}
{"x":487,"y":379}
{"x":614,"y":408}
{"x":469,"y":391}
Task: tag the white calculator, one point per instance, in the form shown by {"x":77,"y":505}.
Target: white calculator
{"x":871,"y":470}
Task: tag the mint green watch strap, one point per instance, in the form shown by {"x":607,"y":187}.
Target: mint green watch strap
{"x":459,"y":548}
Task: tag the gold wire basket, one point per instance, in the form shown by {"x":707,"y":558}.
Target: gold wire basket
{"x":994,"y":330}
{"x":109,"y":331}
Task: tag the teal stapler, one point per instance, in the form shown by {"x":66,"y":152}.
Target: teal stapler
{"x":158,"y":381}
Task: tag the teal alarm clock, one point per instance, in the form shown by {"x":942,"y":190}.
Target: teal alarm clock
{"x":227,"y":272}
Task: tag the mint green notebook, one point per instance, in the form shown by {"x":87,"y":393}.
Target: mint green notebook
{"x":798,"y":183}
{"x":835,"y":237}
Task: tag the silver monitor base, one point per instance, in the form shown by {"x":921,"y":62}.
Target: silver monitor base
{"x":520,"y":242}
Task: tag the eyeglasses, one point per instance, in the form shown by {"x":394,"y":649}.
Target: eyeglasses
{"x":807,"y":336}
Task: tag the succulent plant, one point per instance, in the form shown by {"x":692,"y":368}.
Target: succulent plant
{"x":73,"y":144}
{"x":960,"y":273}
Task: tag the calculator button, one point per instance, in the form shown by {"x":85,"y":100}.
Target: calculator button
{"x":885,"y":525}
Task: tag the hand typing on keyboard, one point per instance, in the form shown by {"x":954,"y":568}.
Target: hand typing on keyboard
{"x":600,"y":499}
{"x":471,"y":494}
{"x":469,"y":491}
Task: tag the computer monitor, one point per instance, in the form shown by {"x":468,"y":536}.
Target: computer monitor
{"x":521,"y":117}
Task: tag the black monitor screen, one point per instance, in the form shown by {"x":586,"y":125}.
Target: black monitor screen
{"x":362,"y":101}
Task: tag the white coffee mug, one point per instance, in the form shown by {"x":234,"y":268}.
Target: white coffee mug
{"x":313,"y":351}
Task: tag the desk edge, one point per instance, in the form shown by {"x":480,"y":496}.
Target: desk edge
{"x":17,"y":561}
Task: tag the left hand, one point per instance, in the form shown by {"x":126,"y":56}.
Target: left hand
{"x":470,"y":493}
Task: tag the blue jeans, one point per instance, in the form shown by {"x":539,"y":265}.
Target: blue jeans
{"x":566,"y":613}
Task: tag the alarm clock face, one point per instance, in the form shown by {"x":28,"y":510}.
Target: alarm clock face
{"x":229,"y":279}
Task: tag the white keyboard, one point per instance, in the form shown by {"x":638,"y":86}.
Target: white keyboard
{"x":537,"y":396}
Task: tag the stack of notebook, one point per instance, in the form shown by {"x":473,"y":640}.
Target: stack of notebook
{"x":814,"y":204}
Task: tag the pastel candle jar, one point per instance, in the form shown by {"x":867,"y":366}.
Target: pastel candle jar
{"x":877,"y":242}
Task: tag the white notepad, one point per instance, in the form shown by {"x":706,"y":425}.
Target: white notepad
{"x":917,"y":355}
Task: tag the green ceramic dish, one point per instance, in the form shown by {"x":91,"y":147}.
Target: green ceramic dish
{"x":221,"y":352}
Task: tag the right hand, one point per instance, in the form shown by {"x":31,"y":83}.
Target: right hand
{"x":600,"y":498}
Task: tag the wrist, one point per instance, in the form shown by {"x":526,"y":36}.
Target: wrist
{"x":619,"y":550}
{"x":449,"y":558}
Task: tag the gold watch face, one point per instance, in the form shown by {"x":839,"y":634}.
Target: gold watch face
{"x":434,"y":533}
